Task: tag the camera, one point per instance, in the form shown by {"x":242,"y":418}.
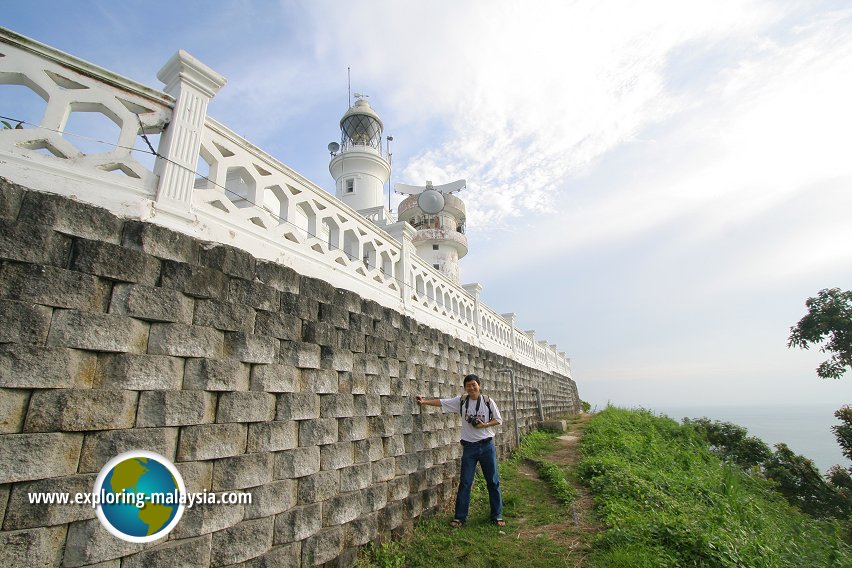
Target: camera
{"x":474,"y":421}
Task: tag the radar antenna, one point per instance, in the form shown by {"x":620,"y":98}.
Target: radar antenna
{"x":430,"y":198}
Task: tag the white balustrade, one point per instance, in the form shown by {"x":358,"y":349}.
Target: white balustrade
{"x":243,"y":197}
{"x":46,"y":154}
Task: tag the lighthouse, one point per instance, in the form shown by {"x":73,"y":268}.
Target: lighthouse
{"x":439,"y":218}
{"x":359,"y":169}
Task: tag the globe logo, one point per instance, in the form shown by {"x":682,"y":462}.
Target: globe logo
{"x":140,"y":496}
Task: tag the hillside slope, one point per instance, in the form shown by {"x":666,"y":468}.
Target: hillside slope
{"x":666,"y":500}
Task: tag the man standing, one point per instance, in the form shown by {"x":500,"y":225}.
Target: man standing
{"x":479,"y":416}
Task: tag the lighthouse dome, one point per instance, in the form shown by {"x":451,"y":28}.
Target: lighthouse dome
{"x":361,"y":126}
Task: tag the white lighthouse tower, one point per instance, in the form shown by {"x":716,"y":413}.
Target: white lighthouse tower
{"x":359,"y":170}
{"x":439,"y":218}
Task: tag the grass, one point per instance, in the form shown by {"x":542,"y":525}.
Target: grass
{"x":667,"y":501}
{"x":661,"y":497}
{"x":555,"y":477}
{"x":535,"y":535}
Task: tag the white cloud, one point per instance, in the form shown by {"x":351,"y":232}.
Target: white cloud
{"x":532,"y":96}
{"x":521,"y":102}
{"x":775,"y":126}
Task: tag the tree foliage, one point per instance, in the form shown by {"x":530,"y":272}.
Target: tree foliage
{"x":800,"y":482}
{"x":795,"y":476}
{"x":843,"y":432}
{"x":829,"y":318}
{"x":731,"y":442}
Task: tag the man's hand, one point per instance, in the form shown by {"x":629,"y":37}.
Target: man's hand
{"x":427,"y":401}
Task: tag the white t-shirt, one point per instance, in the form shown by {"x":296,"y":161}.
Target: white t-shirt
{"x":468,"y":432}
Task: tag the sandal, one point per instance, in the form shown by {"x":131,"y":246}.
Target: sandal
{"x":500,"y":523}
{"x":456,"y":523}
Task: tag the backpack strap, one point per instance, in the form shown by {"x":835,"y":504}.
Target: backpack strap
{"x":464,"y":403}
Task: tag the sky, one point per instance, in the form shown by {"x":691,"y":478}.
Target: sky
{"x":655,"y":187}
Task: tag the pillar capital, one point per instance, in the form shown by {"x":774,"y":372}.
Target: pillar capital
{"x":474,"y":289}
{"x":183,"y":69}
{"x":401,"y":231}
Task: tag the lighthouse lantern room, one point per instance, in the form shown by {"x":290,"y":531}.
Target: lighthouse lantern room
{"x":359,"y":169}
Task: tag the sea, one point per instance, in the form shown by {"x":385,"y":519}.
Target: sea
{"x":805,"y":428}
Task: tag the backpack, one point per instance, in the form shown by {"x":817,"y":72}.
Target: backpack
{"x":464,"y":403}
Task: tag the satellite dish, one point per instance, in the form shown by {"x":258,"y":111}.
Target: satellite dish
{"x":430,"y":201}
{"x":333,"y":147}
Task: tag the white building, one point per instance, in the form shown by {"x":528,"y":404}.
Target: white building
{"x":359,"y":169}
{"x":440,"y":238}
{"x":360,"y":172}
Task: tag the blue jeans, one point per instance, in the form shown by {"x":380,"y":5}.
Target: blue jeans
{"x":486,"y":456}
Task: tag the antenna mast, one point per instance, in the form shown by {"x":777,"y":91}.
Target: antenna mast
{"x":349,"y":87}
{"x":390,"y":171}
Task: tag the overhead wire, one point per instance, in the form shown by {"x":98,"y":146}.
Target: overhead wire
{"x":196,"y":173}
{"x":199,"y":175}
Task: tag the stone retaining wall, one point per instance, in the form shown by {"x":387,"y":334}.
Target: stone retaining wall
{"x":118,"y":335}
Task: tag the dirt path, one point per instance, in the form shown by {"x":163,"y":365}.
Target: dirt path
{"x":574,"y":532}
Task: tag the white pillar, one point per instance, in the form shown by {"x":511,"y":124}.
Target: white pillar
{"x":531,"y":334}
{"x":475,"y":290}
{"x":544,"y":347}
{"x":192,"y":84}
{"x":510,"y":319}
{"x":404,"y":233}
